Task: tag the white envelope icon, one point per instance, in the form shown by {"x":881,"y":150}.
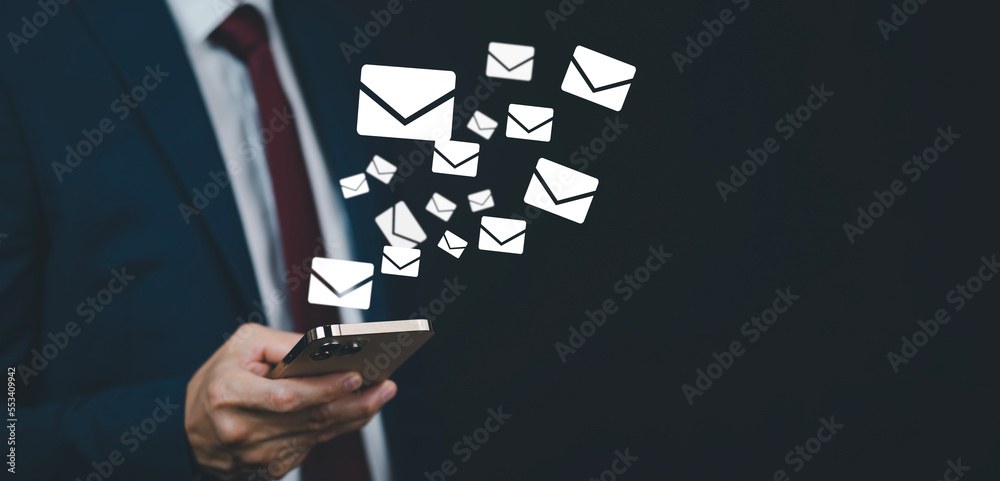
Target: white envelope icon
{"x":506,"y":60}
{"x":529,"y":123}
{"x":455,"y":158}
{"x":400,"y":261}
{"x":334,"y":282}
{"x":598,"y":78}
{"x":561,"y":190}
{"x":481,"y":200}
{"x":354,"y":185}
{"x":482,"y":125}
{"x":400,"y":227}
{"x":406,"y":103}
{"x":502,"y":235}
{"x":441,"y":207}
{"x":381,"y":169}
{"x":452,"y":244}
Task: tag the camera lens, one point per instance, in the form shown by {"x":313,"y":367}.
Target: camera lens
{"x":325,"y":351}
{"x":352,"y":347}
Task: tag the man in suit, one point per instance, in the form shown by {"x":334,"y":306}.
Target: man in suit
{"x":167,"y":171}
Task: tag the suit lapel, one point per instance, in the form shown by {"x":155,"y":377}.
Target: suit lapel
{"x":139,"y":37}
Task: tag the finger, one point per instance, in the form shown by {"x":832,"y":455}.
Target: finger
{"x":350,"y":408}
{"x":250,"y":391}
{"x":258,"y":343}
{"x":347,"y":409}
{"x":259,"y":368}
{"x":387,"y":392}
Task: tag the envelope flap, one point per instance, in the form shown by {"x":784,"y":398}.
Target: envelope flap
{"x":530,"y":116}
{"x":442,"y":204}
{"x":405,"y":225}
{"x":484,"y":122}
{"x":353,"y":182}
{"x":502,"y":229}
{"x":383,"y":166}
{"x":456,"y":151}
{"x":400,"y":256}
{"x":480,"y":197}
{"x":564,"y":182}
{"x":600,"y":69}
{"x":510,"y":55}
{"x":453,"y":241}
{"x":342,"y":275}
{"x":407,"y":90}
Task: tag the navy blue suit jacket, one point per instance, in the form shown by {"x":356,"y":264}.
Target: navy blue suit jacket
{"x":111,"y":296}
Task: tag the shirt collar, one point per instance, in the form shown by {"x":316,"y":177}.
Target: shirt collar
{"x":196,"y":19}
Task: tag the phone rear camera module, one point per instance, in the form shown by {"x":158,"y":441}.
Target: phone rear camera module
{"x":326,"y":351}
{"x":352,"y":347}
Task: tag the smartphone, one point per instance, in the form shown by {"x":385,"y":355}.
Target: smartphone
{"x":374,"y":349}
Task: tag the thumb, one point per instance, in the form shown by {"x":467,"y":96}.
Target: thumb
{"x":263,"y":345}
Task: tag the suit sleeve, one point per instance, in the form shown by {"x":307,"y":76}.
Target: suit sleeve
{"x":143,"y":424}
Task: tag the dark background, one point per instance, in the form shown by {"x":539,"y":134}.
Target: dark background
{"x":826,"y":356}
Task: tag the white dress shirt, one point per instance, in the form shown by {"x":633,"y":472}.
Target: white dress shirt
{"x":232,"y":108}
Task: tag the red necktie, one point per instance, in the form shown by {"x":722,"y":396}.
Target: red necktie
{"x":244,"y":34}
